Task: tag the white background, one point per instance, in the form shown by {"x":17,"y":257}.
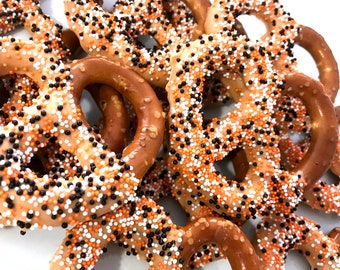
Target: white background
{"x":33,"y":251}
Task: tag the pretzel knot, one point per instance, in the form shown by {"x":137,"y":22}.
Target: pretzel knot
{"x":106,"y":180}
{"x":249,"y":125}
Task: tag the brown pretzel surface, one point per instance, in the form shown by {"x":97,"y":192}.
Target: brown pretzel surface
{"x":151,"y":118}
{"x":318,"y":48}
{"x":324,"y":133}
{"x":232,"y":243}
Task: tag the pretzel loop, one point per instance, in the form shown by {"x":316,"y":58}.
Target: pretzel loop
{"x":43,"y":200}
{"x":227,"y":236}
{"x":322,"y":147}
{"x":316,"y":45}
{"x":138,"y":91}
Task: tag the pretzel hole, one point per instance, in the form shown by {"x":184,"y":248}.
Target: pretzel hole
{"x":218,"y":101}
{"x":253,"y":26}
{"x":218,"y":110}
{"x":177,"y":213}
{"x":305,"y":62}
{"x":90,"y":108}
{"x":51,"y":158}
{"x":102,"y":119}
{"x":107,"y":5}
{"x":4,"y":96}
{"x":55,"y":10}
{"x":115,"y":257}
{"x":216,"y":263}
{"x":298,"y":137}
{"x":330,"y":178}
{"x":21,"y":33}
{"x":295,"y":258}
{"x":216,"y":91}
{"x":220,"y":264}
{"x":147,"y":41}
{"x":226,"y":168}
{"x":37,"y":166}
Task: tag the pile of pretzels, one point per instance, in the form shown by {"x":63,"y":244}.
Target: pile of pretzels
{"x":153,"y":67}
